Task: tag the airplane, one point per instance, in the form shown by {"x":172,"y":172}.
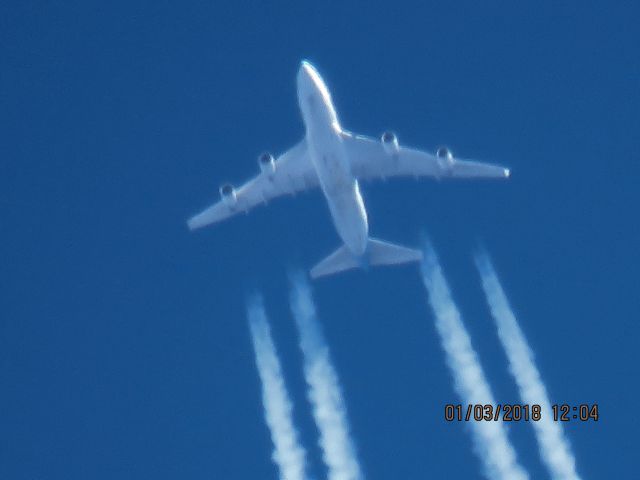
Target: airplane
{"x":334,"y":159}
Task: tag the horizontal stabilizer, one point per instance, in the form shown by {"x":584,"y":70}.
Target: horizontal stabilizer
{"x":377,"y":253}
{"x":385,"y":253}
{"x":338,"y":261}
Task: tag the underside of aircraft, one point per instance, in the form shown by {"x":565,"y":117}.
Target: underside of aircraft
{"x":334,"y":160}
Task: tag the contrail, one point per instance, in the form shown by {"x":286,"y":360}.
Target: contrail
{"x":489,"y":437}
{"x":288,"y":455}
{"x":554,"y":447}
{"x":324,"y":392}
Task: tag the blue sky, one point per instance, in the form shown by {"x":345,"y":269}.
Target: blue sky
{"x":124,"y":346}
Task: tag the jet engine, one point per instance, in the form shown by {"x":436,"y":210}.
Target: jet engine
{"x":267,"y":163}
{"x":445,"y":157}
{"x":228,"y":194}
{"x":389,"y":142}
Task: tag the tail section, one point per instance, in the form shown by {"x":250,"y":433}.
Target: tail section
{"x":377,"y":253}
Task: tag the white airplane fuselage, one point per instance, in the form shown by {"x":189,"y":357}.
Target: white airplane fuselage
{"x":324,"y":143}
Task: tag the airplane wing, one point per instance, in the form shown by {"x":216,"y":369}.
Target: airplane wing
{"x":372,"y":158}
{"x":292,"y":172}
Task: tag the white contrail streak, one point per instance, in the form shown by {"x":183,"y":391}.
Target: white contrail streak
{"x":324,"y":391}
{"x":554,"y":447}
{"x":489,"y":437}
{"x":288,"y":455}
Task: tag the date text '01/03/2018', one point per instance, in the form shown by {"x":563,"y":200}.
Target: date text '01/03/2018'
{"x":518,"y":412}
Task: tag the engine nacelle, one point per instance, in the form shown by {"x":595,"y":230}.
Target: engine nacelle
{"x":267,"y":163}
{"x":389,"y":142}
{"x":445,"y":157}
{"x":228,"y":194}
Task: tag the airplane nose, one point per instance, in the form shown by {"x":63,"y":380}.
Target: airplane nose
{"x":306,"y":69}
{"x":305,"y":74}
